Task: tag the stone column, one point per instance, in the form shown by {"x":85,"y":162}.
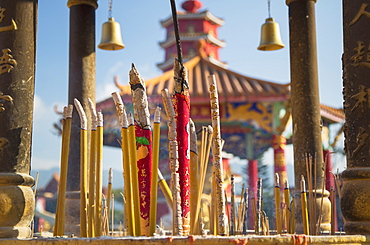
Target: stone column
{"x":17,"y":72}
{"x":355,"y":193}
{"x":81,"y":86}
{"x":305,"y":100}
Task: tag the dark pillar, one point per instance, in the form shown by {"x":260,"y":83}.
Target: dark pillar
{"x":305,"y":98}
{"x":355,"y":193}
{"x":17,"y":72}
{"x":81,"y":86}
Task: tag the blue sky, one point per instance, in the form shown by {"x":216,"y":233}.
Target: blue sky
{"x":141,"y":32}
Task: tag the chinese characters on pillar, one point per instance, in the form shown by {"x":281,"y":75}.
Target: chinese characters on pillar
{"x":7,"y":63}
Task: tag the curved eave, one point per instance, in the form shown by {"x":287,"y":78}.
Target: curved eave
{"x":332,"y":115}
{"x":205,"y":15}
{"x":193,"y":37}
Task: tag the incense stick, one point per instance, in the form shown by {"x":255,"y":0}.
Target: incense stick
{"x":177,"y":227}
{"x":277,"y":204}
{"x":217,"y":157}
{"x":165,"y":189}
{"x":109,"y":197}
{"x":60,"y":215}
{"x":99,"y":174}
{"x":232,"y":209}
{"x":194,"y":176}
{"x":92,"y":168}
{"x":306,"y":227}
{"x":129,"y":206}
{"x":154,"y":190}
{"x":287,"y":206}
{"x":83,"y":169}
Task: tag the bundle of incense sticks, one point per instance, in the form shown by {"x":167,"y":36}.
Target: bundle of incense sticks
{"x":174,"y":165}
{"x":143,"y":146}
{"x":130,"y":215}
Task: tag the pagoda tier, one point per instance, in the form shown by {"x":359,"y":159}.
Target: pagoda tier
{"x":193,"y":27}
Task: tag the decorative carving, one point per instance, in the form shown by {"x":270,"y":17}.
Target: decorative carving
{"x":4,"y":97}
{"x":11,"y":27}
{"x":361,"y":139}
{"x":7,"y":62}
{"x":360,"y":13}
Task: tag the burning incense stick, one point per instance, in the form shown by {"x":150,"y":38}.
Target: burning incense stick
{"x":129,"y":206}
{"x":305,"y":221}
{"x":60,"y":215}
{"x":154,"y":191}
{"x":217,"y":157}
{"x":83,"y":169}
{"x":194,"y":176}
{"x":134,"y":174}
{"x":99,"y":175}
{"x":143,"y":146}
{"x":278,"y":217}
{"x":173,"y":157}
{"x":92,"y":168}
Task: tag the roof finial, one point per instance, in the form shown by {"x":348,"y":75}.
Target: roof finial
{"x":191,"y":6}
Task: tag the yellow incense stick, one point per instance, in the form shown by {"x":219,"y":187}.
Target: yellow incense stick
{"x":109,"y":198}
{"x":99,"y":175}
{"x":305,"y":222}
{"x":277,"y":204}
{"x":155,"y":152}
{"x":128,"y":207}
{"x":194,"y":176}
{"x":134,"y":174}
{"x":83,"y":169}
{"x":165,"y":189}
{"x":287,"y":206}
{"x":63,"y":171}
{"x":91,"y":232}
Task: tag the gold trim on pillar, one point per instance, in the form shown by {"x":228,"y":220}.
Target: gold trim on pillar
{"x":93,"y":3}
{"x":290,"y":1}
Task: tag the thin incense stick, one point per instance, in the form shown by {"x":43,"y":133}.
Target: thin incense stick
{"x":109,"y":197}
{"x":306,"y":227}
{"x":66,"y":136}
{"x":165,"y":189}
{"x":134,"y":174}
{"x":154,"y":190}
{"x":144,"y":146}
{"x":92,"y":172}
{"x":245,"y":217}
{"x":129,"y":206}
{"x":83,"y":169}
{"x":333,"y":207}
{"x":232,"y":209}
{"x":259,"y":207}
{"x":217,"y":156}
{"x":287,"y":206}
{"x":194,"y":176}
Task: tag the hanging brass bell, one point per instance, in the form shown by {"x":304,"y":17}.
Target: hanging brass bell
{"x":111,"y":38}
{"x":270,"y":36}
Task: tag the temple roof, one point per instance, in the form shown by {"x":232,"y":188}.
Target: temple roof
{"x":331,"y":115}
{"x":232,"y":86}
